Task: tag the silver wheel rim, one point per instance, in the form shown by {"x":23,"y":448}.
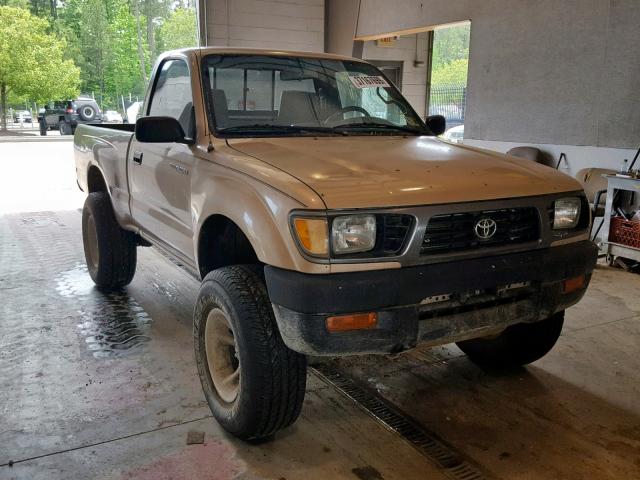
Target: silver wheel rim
{"x":92,"y":243}
{"x":222,"y":357}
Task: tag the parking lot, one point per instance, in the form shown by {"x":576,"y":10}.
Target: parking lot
{"x":97,"y":385}
{"x":25,"y":130}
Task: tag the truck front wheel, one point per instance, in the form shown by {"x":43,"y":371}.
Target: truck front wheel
{"x":253,"y":383}
{"x":109,"y":250}
{"x":517,"y":345}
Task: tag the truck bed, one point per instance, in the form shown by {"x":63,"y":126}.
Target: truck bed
{"x":105,"y":147}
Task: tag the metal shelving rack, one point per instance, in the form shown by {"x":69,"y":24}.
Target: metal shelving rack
{"x":615,"y":183}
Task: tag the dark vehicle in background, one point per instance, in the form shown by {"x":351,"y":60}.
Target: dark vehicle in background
{"x":67,"y":115}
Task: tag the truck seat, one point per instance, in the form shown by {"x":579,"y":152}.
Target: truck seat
{"x":528,"y":153}
{"x":296,"y":108}
{"x":220,"y":108}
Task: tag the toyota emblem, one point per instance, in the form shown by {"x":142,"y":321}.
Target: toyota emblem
{"x":485,"y":228}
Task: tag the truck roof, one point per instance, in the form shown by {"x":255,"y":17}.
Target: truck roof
{"x":263,"y":51}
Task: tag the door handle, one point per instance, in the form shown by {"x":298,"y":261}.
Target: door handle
{"x":179,"y":168}
{"x":137,"y":158}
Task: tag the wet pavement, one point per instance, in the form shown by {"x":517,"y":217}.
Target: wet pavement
{"x":96,"y":385}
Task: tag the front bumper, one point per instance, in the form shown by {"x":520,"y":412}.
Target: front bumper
{"x":436,"y":304}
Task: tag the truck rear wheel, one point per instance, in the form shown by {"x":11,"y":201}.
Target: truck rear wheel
{"x":253,"y":383}
{"x":109,"y":250}
{"x":65,"y":129}
{"x":517,"y":345}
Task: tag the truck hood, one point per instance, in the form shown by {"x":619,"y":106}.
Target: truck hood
{"x":383,"y":171}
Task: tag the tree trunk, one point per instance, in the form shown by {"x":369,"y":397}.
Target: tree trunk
{"x":143,"y":69}
{"x":3,"y":105}
{"x":150,"y":36}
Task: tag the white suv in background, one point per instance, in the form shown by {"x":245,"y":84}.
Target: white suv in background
{"x":111,"y":116}
{"x":455,"y":134}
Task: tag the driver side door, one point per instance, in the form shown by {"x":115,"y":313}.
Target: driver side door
{"x":160,"y":173}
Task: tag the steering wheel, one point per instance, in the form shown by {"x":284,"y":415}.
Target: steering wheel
{"x":343,"y":110}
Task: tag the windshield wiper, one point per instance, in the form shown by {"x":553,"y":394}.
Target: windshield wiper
{"x":376,"y":125}
{"x":269,"y":127}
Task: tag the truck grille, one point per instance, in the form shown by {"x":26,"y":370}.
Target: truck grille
{"x":394,"y":232}
{"x":457,"y":232}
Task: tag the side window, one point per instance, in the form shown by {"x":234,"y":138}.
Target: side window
{"x":172,"y":95}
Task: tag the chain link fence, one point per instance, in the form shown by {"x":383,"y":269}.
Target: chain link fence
{"x":449,"y":101}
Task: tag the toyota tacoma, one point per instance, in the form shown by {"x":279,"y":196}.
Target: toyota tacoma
{"x":325,"y":217}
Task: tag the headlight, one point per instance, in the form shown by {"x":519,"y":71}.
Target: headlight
{"x":312,"y":235}
{"x":566,"y":213}
{"x":353,"y":233}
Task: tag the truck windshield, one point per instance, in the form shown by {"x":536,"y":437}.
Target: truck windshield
{"x":272,"y":95}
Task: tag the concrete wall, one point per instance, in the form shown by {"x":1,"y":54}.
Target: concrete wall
{"x":275,"y":24}
{"x":406,"y":50}
{"x":541,"y":71}
{"x":341,"y":19}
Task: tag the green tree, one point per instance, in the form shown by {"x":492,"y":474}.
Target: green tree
{"x":122,"y":74}
{"x":452,"y":73}
{"x":179,"y":30}
{"x":14,"y":3}
{"x":94,"y":45}
{"x":450,"y":44}
{"x":44,"y":8}
{"x":140,"y":41}
{"x":32,"y":65}
{"x":115,"y":42}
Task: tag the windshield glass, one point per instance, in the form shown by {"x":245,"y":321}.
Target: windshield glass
{"x":257,"y":94}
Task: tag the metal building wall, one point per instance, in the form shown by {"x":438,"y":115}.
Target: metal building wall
{"x":275,"y":24}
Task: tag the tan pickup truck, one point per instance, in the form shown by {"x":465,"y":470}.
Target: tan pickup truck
{"x":325,"y":218}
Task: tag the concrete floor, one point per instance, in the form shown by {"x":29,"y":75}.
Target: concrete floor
{"x":104,"y":386}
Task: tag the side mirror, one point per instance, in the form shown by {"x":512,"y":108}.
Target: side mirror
{"x":437,"y":124}
{"x":160,"y":130}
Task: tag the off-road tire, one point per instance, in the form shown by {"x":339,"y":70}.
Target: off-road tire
{"x":272,"y":379}
{"x":43,"y":128}
{"x":517,"y":345}
{"x":87,"y":113}
{"x":65,"y":129}
{"x":115,"y":264}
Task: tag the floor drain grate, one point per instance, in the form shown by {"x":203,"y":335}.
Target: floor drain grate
{"x":453,"y":465}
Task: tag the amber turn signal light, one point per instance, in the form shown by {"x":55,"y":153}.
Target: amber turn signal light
{"x":313,"y":235}
{"x":345,"y":323}
{"x":573,"y":284}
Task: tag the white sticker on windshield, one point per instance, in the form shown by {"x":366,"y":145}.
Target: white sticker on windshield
{"x":368,"y":81}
